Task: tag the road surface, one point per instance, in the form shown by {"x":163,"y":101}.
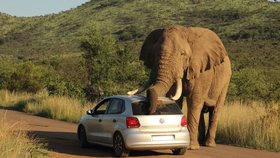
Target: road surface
{"x":62,"y":141}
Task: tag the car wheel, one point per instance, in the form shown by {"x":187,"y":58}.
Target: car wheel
{"x":82,"y":137}
{"x":119,"y":146}
{"x":179,"y":151}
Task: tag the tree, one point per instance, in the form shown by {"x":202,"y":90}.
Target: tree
{"x":111,"y":68}
{"x":97,"y":60}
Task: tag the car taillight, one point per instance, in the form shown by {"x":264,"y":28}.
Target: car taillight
{"x":184,"y":121}
{"x":132,"y":122}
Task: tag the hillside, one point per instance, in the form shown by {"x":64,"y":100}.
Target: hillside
{"x":58,"y":33}
{"x":249,"y":29}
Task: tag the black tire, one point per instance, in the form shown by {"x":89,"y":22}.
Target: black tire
{"x":119,"y":146}
{"x":179,"y":151}
{"x":82,"y":136}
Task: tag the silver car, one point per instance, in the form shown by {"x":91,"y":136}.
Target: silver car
{"x":123,"y":122}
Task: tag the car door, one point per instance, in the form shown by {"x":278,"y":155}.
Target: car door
{"x":95,"y":122}
{"x":112,"y":118}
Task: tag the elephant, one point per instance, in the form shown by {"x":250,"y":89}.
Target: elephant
{"x":190,"y":63}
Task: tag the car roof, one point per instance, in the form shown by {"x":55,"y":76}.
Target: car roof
{"x":133,"y":98}
{"x":138,"y":98}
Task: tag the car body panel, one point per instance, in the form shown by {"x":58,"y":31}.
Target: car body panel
{"x":155,"y":131}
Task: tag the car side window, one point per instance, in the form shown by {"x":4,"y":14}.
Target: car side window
{"x":102,"y":107}
{"x":116,"y":107}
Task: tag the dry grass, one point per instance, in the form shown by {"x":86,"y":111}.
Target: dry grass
{"x":55,"y":107}
{"x":254,"y":124}
{"x":58,"y":107}
{"x":14,"y":143}
{"x":9,"y":99}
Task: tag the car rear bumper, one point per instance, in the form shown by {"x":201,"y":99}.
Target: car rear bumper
{"x":155,"y":146}
{"x":143,"y":141}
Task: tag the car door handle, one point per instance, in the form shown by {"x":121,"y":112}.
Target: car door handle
{"x":99,"y":120}
{"x":114,"y":120}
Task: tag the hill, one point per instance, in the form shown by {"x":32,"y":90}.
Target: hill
{"x":250,"y":30}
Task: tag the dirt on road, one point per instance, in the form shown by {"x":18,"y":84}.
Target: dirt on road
{"x":62,"y":141}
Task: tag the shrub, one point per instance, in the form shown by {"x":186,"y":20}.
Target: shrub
{"x":26,"y":77}
{"x":248,"y":84}
{"x":130,"y":33}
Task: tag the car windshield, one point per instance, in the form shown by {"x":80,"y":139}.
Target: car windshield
{"x":164,"y":108}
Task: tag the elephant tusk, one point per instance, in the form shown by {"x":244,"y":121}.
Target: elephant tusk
{"x":178,"y":90}
{"x":132,"y":92}
{"x":140,"y":89}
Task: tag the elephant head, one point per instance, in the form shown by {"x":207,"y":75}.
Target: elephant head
{"x":177,"y":53}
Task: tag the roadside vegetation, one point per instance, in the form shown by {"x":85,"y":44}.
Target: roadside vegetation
{"x":15,"y":143}
{"x":252,"y":124}
{"x":41,"y":104}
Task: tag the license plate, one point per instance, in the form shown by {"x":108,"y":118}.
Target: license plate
{"x":163,"y":138}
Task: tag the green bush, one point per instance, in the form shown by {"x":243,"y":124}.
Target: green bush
{"x":31,"y":77}
{"x":58,"y":85}
{"x":26,"y":77}
{"x":228,"y":15}
{"x":130,"y":33}
{"x":248,"y":84}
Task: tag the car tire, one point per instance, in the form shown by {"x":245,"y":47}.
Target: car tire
{"x":179,"y":151}
{"x":119,"y":146}
{"x":82,"y":136}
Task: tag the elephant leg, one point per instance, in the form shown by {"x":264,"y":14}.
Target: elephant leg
{"x":201,"y":129}
{"x":210,"y":124}
{"x":194,"y":110}
{"x":214,"y":113}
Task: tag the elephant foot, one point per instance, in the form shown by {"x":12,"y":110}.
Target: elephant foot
{"x":210,"y":143}
{"x":194,"y":146}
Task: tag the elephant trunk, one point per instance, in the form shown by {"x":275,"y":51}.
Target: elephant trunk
{"x":166,"y":76}
{"x":158,"y":90}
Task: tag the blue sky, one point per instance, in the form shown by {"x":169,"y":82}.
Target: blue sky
{"x":37,"y":7}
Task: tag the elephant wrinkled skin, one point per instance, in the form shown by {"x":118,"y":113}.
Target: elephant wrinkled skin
{"x":193,"y":60}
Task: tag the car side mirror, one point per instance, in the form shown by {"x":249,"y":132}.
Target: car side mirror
{"x":90,"y":112}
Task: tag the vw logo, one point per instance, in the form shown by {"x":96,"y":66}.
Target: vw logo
{"x":161,"y":120}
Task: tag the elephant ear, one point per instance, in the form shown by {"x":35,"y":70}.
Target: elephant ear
{"x":208,"y":51}
{"x":148,"y":52}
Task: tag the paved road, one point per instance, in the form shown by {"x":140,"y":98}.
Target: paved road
{"x":62,"y":141}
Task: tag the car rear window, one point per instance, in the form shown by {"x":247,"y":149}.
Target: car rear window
{"x":166,"y":108}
